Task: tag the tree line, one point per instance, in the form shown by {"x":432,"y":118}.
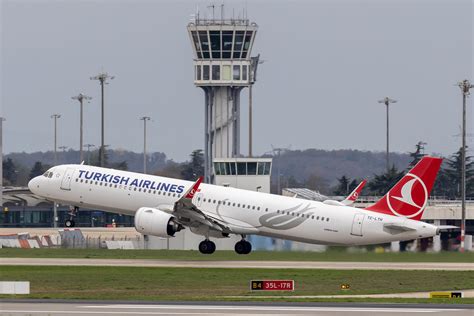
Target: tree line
{"x":447,"y":184}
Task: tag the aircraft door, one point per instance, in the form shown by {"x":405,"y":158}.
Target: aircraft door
{"x":199,"y":199}
{"x":357,"y":225}
{"x":67,"y":178}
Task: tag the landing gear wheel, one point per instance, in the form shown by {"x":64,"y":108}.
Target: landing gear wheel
{"x":243,"y":247}
{"x":207,"y":247}
{"x":69,"y":223}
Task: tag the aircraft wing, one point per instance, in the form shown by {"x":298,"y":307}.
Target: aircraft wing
{"x":351,"y":198}
{"x":189,"y":214}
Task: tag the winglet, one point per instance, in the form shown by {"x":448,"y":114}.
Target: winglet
{"x":192,"y":190}
{"x":351,"y":198}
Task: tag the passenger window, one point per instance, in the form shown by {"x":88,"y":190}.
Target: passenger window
{"x":327,"y":219}
{"x":312,"y":217}
{"x":322,"y":218}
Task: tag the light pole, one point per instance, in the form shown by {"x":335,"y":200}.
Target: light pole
{"x":465,"y":86}
{"x":102,"y":77}
{"x":81,"y":97}
{"x":1,"y":159}
{"x":89,"y":146}
{"x":387,"y":102}
{"x":55,"y":117}
{"x":144,"y":119}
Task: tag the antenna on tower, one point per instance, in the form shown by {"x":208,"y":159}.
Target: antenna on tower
{"x":213,"y":7}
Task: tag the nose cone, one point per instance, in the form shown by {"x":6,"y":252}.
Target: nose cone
{"x":33,"y":185}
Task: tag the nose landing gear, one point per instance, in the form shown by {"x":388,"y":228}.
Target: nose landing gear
{"x":72,"y":213}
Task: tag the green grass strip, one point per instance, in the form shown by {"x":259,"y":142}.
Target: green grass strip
{"x":131,"y":283}
{"x":331,"y":255}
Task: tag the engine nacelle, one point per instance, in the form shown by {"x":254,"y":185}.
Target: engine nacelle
{"x":152,"y":221}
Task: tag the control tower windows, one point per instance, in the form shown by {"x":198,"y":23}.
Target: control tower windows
{"x":236,"y":72}
{"x":233,"y":170}
{"x":244,"y":72}
{"x":227,"y":37}
{"x":198,"y":72}
{"x":217,"y":169}
{"x":251,"y":168}
{"x":216,"y":72}
{"x":215,"y":37}
{"x":205,"y":72}
{"x":226,"y":74}
{"x":196,"y":44}
{"x":204,"y":40}
{"x":241,"y":168}
{"x":239,"y":40}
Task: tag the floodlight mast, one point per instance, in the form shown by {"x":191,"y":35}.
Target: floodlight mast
{"x":465,"y":86}
{"x":102,"y":78}
{"x":144,"y":119}
{"x":55,"y":117}
{"x":1,"y":158}
{"x":387,"y":101}
{"x":81,"y":97}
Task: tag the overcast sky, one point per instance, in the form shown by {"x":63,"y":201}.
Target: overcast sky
{"x":326,"y":65}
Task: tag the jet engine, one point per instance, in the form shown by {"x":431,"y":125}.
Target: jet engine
{"x":152,"y":221}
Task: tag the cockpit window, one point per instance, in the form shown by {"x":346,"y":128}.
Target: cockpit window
{"x":48,"y":174}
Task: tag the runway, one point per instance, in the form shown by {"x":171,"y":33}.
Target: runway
{"x":241,"y":264}
{"x":211,"y":308}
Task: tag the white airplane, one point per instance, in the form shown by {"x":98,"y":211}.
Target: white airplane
{"x":164,"y":206}
{"x":351,"y":198}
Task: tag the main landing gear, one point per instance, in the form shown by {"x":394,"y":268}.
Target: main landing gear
{"x":243,"y":247}
{"x":207,"y":247}
{"x":72,"y":213}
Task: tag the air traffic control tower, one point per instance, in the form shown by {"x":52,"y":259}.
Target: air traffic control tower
{"x":222,"y":68}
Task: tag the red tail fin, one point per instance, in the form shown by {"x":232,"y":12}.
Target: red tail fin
{"x":409,"y":196}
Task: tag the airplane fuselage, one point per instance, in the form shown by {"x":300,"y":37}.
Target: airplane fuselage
{"x":254,"y":212}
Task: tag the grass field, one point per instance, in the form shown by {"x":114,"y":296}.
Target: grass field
{"x":331,"y":255}
{"x":125,"y":283}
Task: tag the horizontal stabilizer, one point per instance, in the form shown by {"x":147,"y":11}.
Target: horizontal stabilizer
{"x":446,"y":227}
{"x":399,"y":227}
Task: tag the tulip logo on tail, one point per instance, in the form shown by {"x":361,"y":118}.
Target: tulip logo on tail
{"x":410,"y":200}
